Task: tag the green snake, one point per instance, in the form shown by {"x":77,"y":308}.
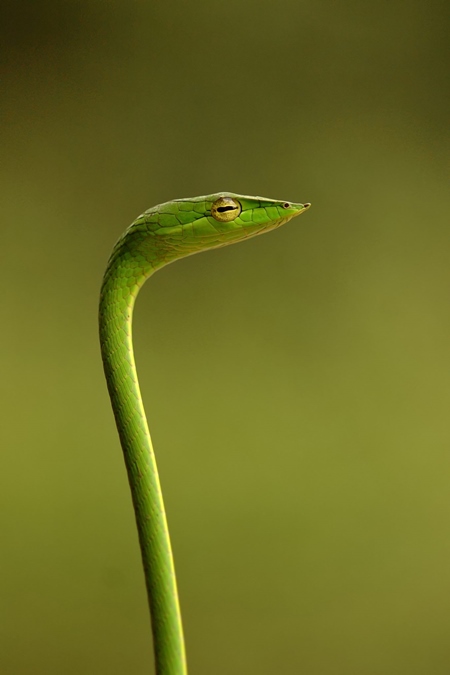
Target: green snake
{"x":159,"y":236}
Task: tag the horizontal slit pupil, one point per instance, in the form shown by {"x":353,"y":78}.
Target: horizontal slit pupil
{"x":221,"y":209}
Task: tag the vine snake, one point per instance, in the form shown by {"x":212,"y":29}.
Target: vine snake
{"x":160,"y":236}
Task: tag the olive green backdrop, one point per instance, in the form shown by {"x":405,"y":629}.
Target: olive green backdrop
{"x":297,"y":385}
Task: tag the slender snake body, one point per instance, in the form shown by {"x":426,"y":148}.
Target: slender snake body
{"x":159,"y":236}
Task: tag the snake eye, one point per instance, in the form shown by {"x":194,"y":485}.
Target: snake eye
{"x":225,"y":209}
{"x":286,"y":205}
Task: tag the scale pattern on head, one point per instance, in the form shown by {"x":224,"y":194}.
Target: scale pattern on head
{"x":183,"y":227}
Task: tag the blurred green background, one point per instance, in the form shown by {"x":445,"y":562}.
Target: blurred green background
{"x":297,"y":385}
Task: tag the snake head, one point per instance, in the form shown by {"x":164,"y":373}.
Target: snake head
{"x":224,"y":218}
{"x":183,"y":227}
{"x":234,"y":216}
